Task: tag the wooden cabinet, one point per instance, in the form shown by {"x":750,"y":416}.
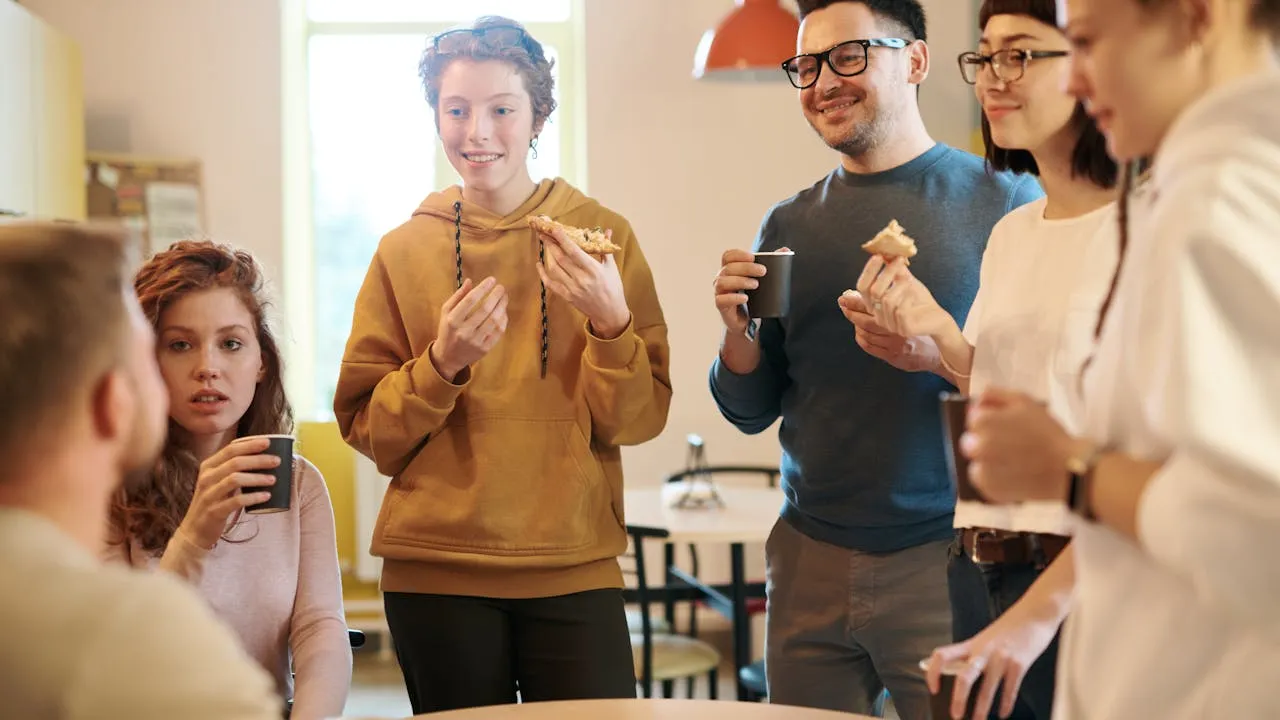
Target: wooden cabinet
{"x":41,"y":118}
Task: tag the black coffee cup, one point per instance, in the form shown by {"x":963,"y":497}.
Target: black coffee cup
{"x":940,"y":703}
{"x":954,"y":408}
{"x":772,"y":299}
{"x":282,"y":491}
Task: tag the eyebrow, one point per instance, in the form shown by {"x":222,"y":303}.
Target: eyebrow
{"x":225,"y":329}
{"x":1017,"y":37}
{"x":499,"y":96}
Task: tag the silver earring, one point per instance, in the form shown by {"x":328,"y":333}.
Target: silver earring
{"x":533,"y":145}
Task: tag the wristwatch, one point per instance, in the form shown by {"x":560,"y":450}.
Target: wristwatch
{"x":1080,"y":469}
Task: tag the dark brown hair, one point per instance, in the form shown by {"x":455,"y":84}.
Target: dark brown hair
{"x":908,"y":14}
{"x":1089,"y":158}
{"x":63,"y":322}
{"x":528,"y":58}
{"x":150,"y":514}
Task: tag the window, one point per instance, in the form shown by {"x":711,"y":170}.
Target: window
{"x":366,"y":153}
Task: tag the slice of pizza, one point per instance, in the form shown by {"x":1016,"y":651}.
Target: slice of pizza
{"x":891,"y":242}
{"x":593,"y":241}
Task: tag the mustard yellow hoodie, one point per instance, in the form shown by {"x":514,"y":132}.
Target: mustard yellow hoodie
{"x":506,"y":484}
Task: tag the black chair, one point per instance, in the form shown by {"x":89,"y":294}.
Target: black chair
{"x":357,"y":638}
{"x":659,"y":656}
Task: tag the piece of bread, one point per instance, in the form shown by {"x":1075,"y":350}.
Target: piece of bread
{"x":891,"y":242}
{"x":593,"y":241}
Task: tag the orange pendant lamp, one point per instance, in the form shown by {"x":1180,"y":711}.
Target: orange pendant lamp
{"x":749,"y":44}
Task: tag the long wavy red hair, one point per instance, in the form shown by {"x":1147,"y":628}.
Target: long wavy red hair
{"x":147,"y":517}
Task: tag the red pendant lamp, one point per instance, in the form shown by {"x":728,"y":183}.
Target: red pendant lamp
{"x":749,"y":44}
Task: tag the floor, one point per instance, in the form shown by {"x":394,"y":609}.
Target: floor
{"x":377,"y":690}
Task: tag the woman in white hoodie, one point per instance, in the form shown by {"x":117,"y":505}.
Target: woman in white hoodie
{"x":1176,"y":475}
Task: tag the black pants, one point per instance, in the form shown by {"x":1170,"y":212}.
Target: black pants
{"x":459,"y":652}
{"x":979,"y":595}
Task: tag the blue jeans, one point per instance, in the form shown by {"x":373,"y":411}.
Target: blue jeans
{"x":979,"y":595}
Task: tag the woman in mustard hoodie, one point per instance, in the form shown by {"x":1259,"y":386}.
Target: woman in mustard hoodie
{"x":493,"y":373}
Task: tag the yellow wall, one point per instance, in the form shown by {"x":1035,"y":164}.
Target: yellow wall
{"x":322,"y":444}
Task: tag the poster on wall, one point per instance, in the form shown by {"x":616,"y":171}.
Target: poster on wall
{"x":161,"y":199}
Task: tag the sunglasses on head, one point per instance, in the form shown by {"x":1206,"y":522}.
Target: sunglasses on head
{"x":490,"y":36}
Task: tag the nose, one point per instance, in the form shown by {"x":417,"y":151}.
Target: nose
{"x":208,"y":369}
{"x":988,"y":84}
{"x":989,"y":79}
{"x":481,"y":127}
{"x":827,"y":81}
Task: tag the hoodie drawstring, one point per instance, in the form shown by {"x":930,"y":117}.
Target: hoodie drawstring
{"x":457,"y":238}
{"x":457,"y":249}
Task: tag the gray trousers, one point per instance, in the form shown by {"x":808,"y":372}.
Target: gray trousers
{"x":845,"y":625}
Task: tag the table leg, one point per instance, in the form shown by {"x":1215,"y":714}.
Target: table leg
{"x":741,"y":621}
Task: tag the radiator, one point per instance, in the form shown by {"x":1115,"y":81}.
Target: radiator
{"x":371,"y":486}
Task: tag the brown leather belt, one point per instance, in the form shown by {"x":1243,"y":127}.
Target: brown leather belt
{"x":1003,"y":547}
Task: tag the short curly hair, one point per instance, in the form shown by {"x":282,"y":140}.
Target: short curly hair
{"x":527,"y":56}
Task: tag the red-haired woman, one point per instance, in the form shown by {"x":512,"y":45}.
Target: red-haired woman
{"x":273,"y":578}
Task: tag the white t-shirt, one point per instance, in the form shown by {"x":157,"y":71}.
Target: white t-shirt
{"x":1184,"y":622}
{"x":80,"y":639}
{"x":1032,"y":327}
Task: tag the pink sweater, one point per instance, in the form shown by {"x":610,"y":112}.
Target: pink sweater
{"x":279,"y":587}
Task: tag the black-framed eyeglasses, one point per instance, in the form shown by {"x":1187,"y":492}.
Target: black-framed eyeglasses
{"x":492,"y":36}
{"x":1008,"y":65}
{"x":846,"y":60}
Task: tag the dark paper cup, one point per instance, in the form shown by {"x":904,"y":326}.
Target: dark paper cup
{"x":282,"y":492}
{"x":940,"y":704}
{"x":954,"y":407}
{"x":772,"y":299}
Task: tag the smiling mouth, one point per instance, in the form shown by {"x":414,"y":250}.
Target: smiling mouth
{"x":839,"y":107}
{"x":481,"y":158}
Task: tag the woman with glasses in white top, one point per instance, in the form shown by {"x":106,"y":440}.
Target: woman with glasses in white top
{"x":1175,"y":475}
{"x":1044,"y":275}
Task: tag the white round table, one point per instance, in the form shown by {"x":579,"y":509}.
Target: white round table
{"x":641,"y":710}
{"x":747,"y":516}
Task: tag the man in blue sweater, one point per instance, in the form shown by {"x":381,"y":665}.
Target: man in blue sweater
{"x":857,"y":580}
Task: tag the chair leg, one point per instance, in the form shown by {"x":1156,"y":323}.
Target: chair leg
{"x":688,"y":686}
{"x":713,"y":678}
{"x":668,"y":689}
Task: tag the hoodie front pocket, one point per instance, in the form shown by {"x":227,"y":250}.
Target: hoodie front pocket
{"x":502,"y":485}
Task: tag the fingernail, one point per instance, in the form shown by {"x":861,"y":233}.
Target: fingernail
{"x":754,"y":284}
{"x":848,"y":294}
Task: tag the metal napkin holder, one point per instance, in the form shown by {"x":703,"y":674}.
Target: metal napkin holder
{"x":698,"y":475}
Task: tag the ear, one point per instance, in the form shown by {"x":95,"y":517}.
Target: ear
{"x":537,"y":127}
{"x":113,"y":404}
{"x":262,"y":368}
{"x":1195,"y":19}
{"x":919,"y":58}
